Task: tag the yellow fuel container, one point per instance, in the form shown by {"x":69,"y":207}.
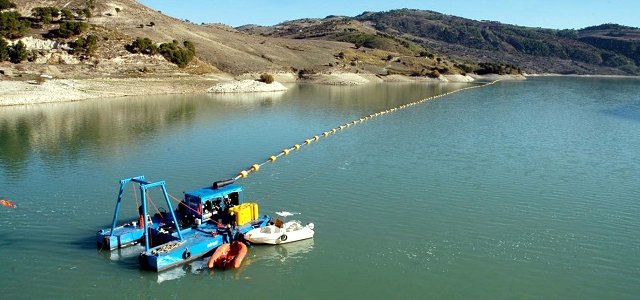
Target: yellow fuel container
{"x":245,"y":213}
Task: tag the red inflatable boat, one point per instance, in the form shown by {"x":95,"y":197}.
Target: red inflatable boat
{"x":228,"y":256}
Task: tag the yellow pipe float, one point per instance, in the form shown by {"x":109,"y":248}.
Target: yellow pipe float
{"x":273,"y":158}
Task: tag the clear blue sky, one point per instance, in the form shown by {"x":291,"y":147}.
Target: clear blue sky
{"x":559,"y":14}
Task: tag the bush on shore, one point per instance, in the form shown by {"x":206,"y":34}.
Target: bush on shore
{"x":266,"y":78}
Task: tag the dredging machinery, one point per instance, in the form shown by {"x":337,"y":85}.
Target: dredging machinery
{"x":204,"y":220}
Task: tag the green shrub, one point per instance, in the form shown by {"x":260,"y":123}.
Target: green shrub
{"x":143,"y":45}
{"x":66,"y":14}
{"x":4,"y":50}
{"x":70,"y":28}
{"x":87,"y":45}
{"x":170,"y":51}
{"x":18,"y":52}
{"x":464,"y":68}
{"x":12,"y":25}
{"x":45,"y":14}
{"x":175,"y":54}
{"x":6,"y":4}
{"x":190,"y":46}
{"x":266,"y":78}
{"x":86,"y":12}
{"x":495,"y":68}
{"x":91,"y":44}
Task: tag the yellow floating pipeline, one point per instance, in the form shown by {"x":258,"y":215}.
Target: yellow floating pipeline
{"x":273,"y":158}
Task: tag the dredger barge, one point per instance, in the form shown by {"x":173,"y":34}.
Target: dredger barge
{"x":207,"y":218}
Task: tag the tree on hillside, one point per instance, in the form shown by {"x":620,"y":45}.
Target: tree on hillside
{"x":45,"y":14}
{"x":142,"y":45}
{"x":4,"y":50}
{"x":12,"y":25}
{"x":87,"y":45}
{"x":117,"y":10}
{"x":177,"y":55}
{"x":190,"y":46}
{"x":91,"y":44}
{"x":66,"y":14}
{"x":18,"y":52}
{"x":170,"y":51}
{"x":6,"y":4}
{"x":70,"y":28}
{"x":87,"y":13}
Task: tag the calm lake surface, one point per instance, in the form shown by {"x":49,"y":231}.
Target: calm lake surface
{"x":520,"y":190}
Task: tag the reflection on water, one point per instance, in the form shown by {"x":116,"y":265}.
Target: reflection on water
{"x":56,"y":132}
{"x":60,"y":132}
{"x":479,"y":194}
{"x":281,"y":255}
{"x":262,"y":98}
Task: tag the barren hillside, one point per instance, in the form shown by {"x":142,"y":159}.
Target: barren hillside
{"x":221,"y":46}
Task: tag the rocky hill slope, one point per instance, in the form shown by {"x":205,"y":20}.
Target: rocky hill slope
{"x":406,"y":42}
{"x":119,"y":22}
{"x":604,"y":49}
{"x":116,"y":23}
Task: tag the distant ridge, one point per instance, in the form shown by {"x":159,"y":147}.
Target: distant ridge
{"x":601,"y":49}
{"x":404,"y":41}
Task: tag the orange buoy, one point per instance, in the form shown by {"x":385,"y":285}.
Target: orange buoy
{"x":7,"y":203}
{"x":228,"y":256}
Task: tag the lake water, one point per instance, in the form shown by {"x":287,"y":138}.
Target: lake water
{"x":525,"y":190}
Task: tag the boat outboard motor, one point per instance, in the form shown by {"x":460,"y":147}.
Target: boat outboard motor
{"x":222,"y":183}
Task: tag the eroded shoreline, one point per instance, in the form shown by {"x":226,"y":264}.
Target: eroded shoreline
{"x":67,"y":90}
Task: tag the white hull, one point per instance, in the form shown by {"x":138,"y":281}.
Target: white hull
{"x":290,"y":232}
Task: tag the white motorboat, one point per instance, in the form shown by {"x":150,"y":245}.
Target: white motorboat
{"x":280,"y":232}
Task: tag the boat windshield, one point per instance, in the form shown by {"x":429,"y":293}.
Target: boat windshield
{"x":293,"y":226}
{"x":267,"y":229}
